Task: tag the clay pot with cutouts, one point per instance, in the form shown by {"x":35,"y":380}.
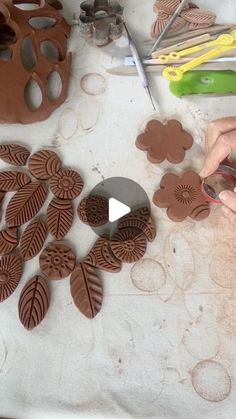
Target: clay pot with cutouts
{"x":34,"y":60}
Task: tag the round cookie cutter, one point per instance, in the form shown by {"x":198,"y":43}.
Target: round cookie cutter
{"x":223,"y":179}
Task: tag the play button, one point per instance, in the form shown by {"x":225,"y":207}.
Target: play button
{"x":110,"y":200}
{"x":117,"y":210}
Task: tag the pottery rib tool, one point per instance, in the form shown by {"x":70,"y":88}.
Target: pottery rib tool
{"x":139,"y":66}
{"x":168,"y":26}
{"x":183,"y":45}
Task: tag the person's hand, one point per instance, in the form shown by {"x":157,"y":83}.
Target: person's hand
{"x":220,"y":142}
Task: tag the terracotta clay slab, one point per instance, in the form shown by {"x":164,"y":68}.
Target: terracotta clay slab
{"x":86,"y":290}
{"x":8,"y":240}
{"x":101,"y":256}
{"x":59,"y":217}
{"x":10,"y":274}
{"x":14,"y":154}
{"x":142,"y":220}
{"x":168,"y":141}
{"x":33,"y":239}
{"x":57,"y":261}
{"x":129,"y":245}
{"x":25,"y":204}
{"x":34,"y":302}
{"x":182,"y":196}
{"x":94,"y":210}
{"x":2,"y":194}
{"x":13,"y":181}
{"x":44,"y":164}
{"x":66,"y":184}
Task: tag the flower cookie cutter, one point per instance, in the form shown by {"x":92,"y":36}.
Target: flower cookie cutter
{"x":101,"y":20}
{"x":223,"y":179}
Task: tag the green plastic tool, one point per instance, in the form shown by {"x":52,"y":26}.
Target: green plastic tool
{"x":205,"y":82}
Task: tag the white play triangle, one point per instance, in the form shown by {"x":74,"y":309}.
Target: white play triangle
{"x":117,"y":210}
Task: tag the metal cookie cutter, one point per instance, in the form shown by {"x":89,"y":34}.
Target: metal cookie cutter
{"x":223,"y":179}
{"x":101,"y":20}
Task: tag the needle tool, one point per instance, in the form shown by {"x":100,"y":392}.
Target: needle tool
{"x":139,"y":65}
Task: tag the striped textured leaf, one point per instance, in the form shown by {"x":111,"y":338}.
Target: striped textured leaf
{"x":33,"y":239}
{"x":14,"y":154}
{"x":59,"y":217}
{"x":12,"y":180}
{"x":25,"y":204}
{"x":34,"y":302}
{"x":86,"y":290}
{"x":8,"y":240}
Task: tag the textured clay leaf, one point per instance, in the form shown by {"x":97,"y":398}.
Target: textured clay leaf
{"x":25,"y":204}
{"x":2,"y":194}
{"x":59,"y":217}
{"x":14,"y":154}
{"x":34,"y":302}
{"x":8,"y":240}
{"x":10,"y":274}
{"x":33,"y":239}
{"x":12,"y":181}
{"x":86,"y":290}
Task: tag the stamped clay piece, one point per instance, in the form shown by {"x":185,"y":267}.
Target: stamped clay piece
{"x":34,"y":302}
{"x":18,"y":76}
{"x":2,"y":194}
{"x":162,"y":142}
{"x":59,"y":217}
{"x":129,"y":245}
{"x":66,"y":184}
{"x":25,"y":204}
{"x":8,"y":240}
{"x":199,"y":16}
{"x":86,"y":290}
{"x":14,"y":154}
{"x":101,"y":256}
{"x":182,"y":196}
{"x":57,"y":261}
{"x":13,"y":181}
{"x":44,"y":164}
{"x":33,"y":239}
{"x":10,"y":275}
{"x":94,"y":210}
{"x":142,"y":220}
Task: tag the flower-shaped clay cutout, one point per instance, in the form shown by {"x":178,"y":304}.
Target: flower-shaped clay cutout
{"x":168,"y":141}
{"x":182,"y":196}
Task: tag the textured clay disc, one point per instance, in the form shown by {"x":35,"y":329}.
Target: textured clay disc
{"x":94,"y":210}
{"x":57,"y":261}
{"x":44,"y":164}
{"x":129,"y":245}
{"x":140,"y":219}
{"x":66,"y":184}
{"x":8,"y":240}
{"x":10,"y":275}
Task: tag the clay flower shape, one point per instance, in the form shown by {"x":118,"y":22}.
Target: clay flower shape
{"x":182,"y":196}
{"x":162,"y":142}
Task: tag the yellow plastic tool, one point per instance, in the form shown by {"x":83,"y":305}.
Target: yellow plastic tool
{"x":223,"y":43}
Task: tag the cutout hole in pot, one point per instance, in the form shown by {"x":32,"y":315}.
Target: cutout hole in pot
{"x":33,"y":95}
{"x":7,"y":35}
{"x":49,"y":51}
{"x":5,"y":54}
{"x":24,"y":5}
{"x":54,"y":86}
{"x":28,"y":55}
{"x":42,"y":22}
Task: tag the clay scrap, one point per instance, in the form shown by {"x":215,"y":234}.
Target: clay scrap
{"x":164,"y":141}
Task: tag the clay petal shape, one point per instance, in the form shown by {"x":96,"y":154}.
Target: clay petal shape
{"x":14,"y":154}
{"x":8,"y":240}
{"x":34,"y":302}
{"x":11,"y":268}
{"x":148,"y":138}
{"x":86,"y":290}
{"x":178,"y":213}
{"x":44,"y":164}
{"x":101,"y":256}
{"x":33,"y":239}
{"x":25,"y":204}
{"x":59,"y":217}
{"x":200,"y":212}
{"x":13,"y":181}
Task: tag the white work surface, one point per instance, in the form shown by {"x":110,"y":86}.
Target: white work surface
{"x":164,"y":344}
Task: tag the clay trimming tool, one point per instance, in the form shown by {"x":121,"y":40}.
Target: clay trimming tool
{"x":223,"y":179}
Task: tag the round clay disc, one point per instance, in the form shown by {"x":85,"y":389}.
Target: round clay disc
{"x":66,"y":184}
{"x":44,"y":164}
{"x":129,"y":245}
{"x":94,"y":210}
{"x":10,"y":275}
{"x":57,"y":261}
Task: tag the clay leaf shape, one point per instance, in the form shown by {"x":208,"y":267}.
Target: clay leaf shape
{"x":12,"y":181}
{"x":33,"y":239}
{"x":59,"y":217}
{"x":25,"y":204}
{"x":8,"y":240}
{"x":11,"y":268}
{"x":14,"y":154}
{"x":86,"y":290}
{"x":101,"y":256}
{"x":34,"y":302}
